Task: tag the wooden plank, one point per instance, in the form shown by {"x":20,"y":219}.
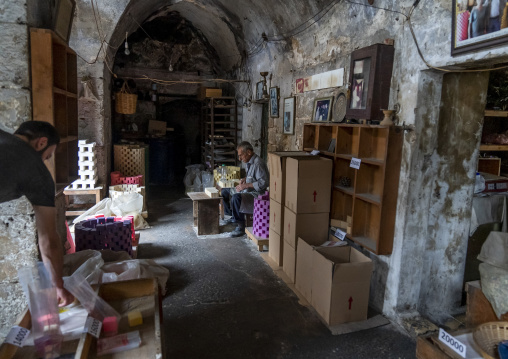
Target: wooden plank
{"x":495,"y":113}
{"x":8,"y":351}
{"x":208,"y":216}
{"x":493,"y":148}
{"x":426,"y":349}
{"x":478,"y":308}
{"x":260,"y":242}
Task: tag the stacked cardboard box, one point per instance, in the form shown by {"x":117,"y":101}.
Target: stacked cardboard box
{"x":307,"y":206}
{"x":277,"y":169}
{"x":335,"y":280}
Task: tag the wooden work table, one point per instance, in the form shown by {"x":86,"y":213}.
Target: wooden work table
{"x":205,"y":212}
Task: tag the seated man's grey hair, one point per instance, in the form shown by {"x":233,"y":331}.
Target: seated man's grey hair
{"x":245,"y":146}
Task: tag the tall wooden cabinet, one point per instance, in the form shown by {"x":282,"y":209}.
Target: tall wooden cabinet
{"x":55,"y":99}
{"x":367,"y":195}
{"x":219,"y":132}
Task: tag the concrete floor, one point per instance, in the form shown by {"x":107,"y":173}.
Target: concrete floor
{"x":224,"y":301}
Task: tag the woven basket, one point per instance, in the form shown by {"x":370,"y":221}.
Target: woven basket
{"x":488,"y":335}
{"x":125,"y":101}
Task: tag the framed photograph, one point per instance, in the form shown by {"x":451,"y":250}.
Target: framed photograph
{"x":289,"y":115}
{"x":477,"y":24}
{"x":64,"y":13}
{"x":274,"y":102}
{"x":322,"y":109}
{"x":259,"y":90}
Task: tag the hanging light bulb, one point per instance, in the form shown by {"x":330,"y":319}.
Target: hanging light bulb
{"x":127,"y":52}
{"x":170,"y":68}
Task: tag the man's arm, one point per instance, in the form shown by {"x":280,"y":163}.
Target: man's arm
{"x":51,"y":249}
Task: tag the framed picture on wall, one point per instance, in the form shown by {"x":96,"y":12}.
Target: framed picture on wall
{"x":322,"y":109}
{"x":274,"y":102}
{"x":289,"y":115}
{"x":63,"y":15}
{"x":259,"y":90}
{"x":478,"y":24}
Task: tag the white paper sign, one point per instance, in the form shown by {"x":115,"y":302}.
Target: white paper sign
{"x":340,"y":234}
{"x":93,"y":327}
{"x":355,"y":163}
{"x":17,"y":336}
{"x":452,"y":343}
{"x":314,"y":152}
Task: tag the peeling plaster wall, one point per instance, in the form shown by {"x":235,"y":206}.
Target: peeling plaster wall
{"x":433,"y":203}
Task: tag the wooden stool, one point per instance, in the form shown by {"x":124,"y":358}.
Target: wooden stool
{"x":205,"y":211}
{"x":78,"y":209}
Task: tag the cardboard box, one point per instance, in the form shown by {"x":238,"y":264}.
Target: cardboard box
{"x":308,"y":184}
{"x":289,"y":262}
{"x":205,"y":92}
{"x":276,"y":247}
{"x":157,"y":127}
{"x":495,"y":183}
{"x":276,"y":216}
{"x":277,"y":169}
{"x":339,"y":282}
{"x":311,"y":226}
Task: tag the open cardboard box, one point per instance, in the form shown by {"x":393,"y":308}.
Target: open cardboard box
{"x":335,"y":280}
{"x":140,"y":293}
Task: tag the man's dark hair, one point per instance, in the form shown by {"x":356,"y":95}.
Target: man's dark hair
{"x":245,"y":146}
{"x":37,"y":129}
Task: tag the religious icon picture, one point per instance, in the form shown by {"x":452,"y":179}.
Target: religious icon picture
{"x":274,"y":102}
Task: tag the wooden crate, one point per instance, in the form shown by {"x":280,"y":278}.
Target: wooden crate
{"x":489,"y":165}
{"x":130,"y":160}
{"x":129,"y":294}
{"x":120,"y":295}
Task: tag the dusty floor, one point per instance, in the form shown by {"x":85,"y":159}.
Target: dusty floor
{"x":224,"y":301}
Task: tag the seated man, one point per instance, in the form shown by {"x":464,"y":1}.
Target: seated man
{"x":240,"y":200}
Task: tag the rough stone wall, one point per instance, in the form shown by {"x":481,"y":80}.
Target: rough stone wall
{"x":17,"y":224}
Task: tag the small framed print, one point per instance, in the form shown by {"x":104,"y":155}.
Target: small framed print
{"x":322,"y":109}
{"x":289,"y":115}
{"x":274,"y":102}
{"x":259,"y":90}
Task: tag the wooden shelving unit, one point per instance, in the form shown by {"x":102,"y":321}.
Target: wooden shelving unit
{"x":494,"y":122}
{"x":371,"y":198}
{"x":55,"y":99}
{"x":219,"y":132}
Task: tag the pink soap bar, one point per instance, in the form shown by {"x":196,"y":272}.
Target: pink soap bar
{"x":110,"y":326}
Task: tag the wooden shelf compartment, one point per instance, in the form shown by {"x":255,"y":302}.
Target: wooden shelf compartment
{"x":72,"y":72}
{"x":59,"y":66}
{"x":325,"y":135}
{"x":341,"y":168}
{"x":366,"y":224}
{"x":62,"y":158}
{"x":309,"y":137}
{"x":373,"y":143}
{"x":348,"y":140}
{"x":72,"y":159}
{"x":60,"y":114}
{"x":343,"y":205}
{"x":370,"y":182}
{"x":72,"y":116}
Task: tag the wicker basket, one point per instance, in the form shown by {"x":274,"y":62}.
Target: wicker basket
{"x":125,"y":101}
{"x":488,"y":335}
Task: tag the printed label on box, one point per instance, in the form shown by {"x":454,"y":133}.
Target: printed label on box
{"x":93,"y":327}
{"x":17,"y":336}
{"x":452,"y":343}
{"x":340,"y":234}
{"x":355,"y":163}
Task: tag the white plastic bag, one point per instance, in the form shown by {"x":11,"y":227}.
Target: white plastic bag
{"x":135,"y":269}
{"x":479,"y":185}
